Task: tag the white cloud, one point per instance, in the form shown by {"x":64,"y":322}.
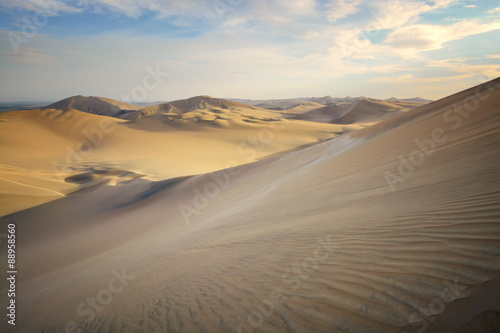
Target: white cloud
{"x":261,"y":47}
{"x":470,"y":6}
{"x":51,"y":8}
{"x":494,"y":10}
{"x":221,"y":10}
{"x":287,"y":8}
{"x":425,"y":37}
{"x":457,"y":72}
{"x":393,"y":14}
{"x":165,"y":8}
{"x":339,"y":9}
{"x":406,"y":77}
{"x":406,"y":42}
{"x":30,"y":56}
{"x":452,"y":75}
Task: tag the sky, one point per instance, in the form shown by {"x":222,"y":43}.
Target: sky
{"x":163,"y":50}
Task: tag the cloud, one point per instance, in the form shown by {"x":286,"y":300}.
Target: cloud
{"x":216,"y":10}
{"x":261,"y":47}
{"x":426,"y":37}
{"x":287,"y":8}
{"x":446,"y":75}
{"x":30,"y":56}
{"x":395,"y":13}
{"x":470,"y":6}
{"x":494,"y":10}
{"x":443,"y":74}
{"x":339,"y":9}
{"x":164,"y":8}
{"x":51,"y":8}
{"x":405,"y":77}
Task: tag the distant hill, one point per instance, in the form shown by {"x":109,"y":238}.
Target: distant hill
{"x":15,"y":106}
{"x":361,"y":111}
{"x":289,"y":103}
{"x":95,"y":105}
{"x":327,"y":109}
{"x":113,"y":108}
{"x":414,"y":100}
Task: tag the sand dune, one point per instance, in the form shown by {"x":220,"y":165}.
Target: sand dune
{"x":288,"y":104}
{"x":96,"y":105}
{"x":301,"y":108}
{"x":320,"y":239}
{"x":327,"y":109}
{"x":417,"y":100}
{"x":284,"y":104}
{"x":44,"y":147}
{"x":205,"y":103}
{"x":362,"y":111}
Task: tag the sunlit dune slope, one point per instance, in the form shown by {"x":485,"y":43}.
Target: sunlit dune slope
{"x":95,"y":105}
{"x":362,"y":111}
{"x":41,"y":148}
{"x":386,"y":229}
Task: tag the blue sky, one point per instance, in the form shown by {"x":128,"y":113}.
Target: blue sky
{"x":52,"y":49}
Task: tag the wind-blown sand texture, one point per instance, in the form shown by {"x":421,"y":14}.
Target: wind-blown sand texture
{"x":41,"y":148}
{"x":310,"y":240}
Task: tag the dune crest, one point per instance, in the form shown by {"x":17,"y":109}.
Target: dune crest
{"x":188,"y":137}
{"x":315,"y":239}
{"x":96,"y":105}
{"x":362,"y":111}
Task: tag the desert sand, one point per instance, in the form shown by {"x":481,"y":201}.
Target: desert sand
{"x":392,"y":227}
{"x":41,"y":148}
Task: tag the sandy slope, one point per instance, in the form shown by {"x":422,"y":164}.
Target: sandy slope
{"x":313,"y":240}
{"x":40,"y":148}
{"x":291,"y":106}
{"x":362,"y":111}
{"x":96,"y":105}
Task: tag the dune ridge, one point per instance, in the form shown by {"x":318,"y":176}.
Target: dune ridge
{"x":311,"y":240}
{"x":362,"y":111}
{"x":205,"y":134}
{"x":96,"y":105}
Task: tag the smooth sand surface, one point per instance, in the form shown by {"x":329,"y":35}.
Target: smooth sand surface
{"x":96,"y":105}
{"x":312,"y":240}
{"x":41,"y":148}
{"x":362,"y":111}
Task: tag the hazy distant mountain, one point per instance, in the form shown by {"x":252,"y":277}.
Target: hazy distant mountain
{"x":285,"y":104}
{"x":183,"y":106}
{"x":364,"y":110}
{"x":327,"y":109}
{"x":95,"y":105}
{"x":15,"y":106}
{"x":117,"y":109}
{"x":415,"y":100}
{"x":200,"y":219}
